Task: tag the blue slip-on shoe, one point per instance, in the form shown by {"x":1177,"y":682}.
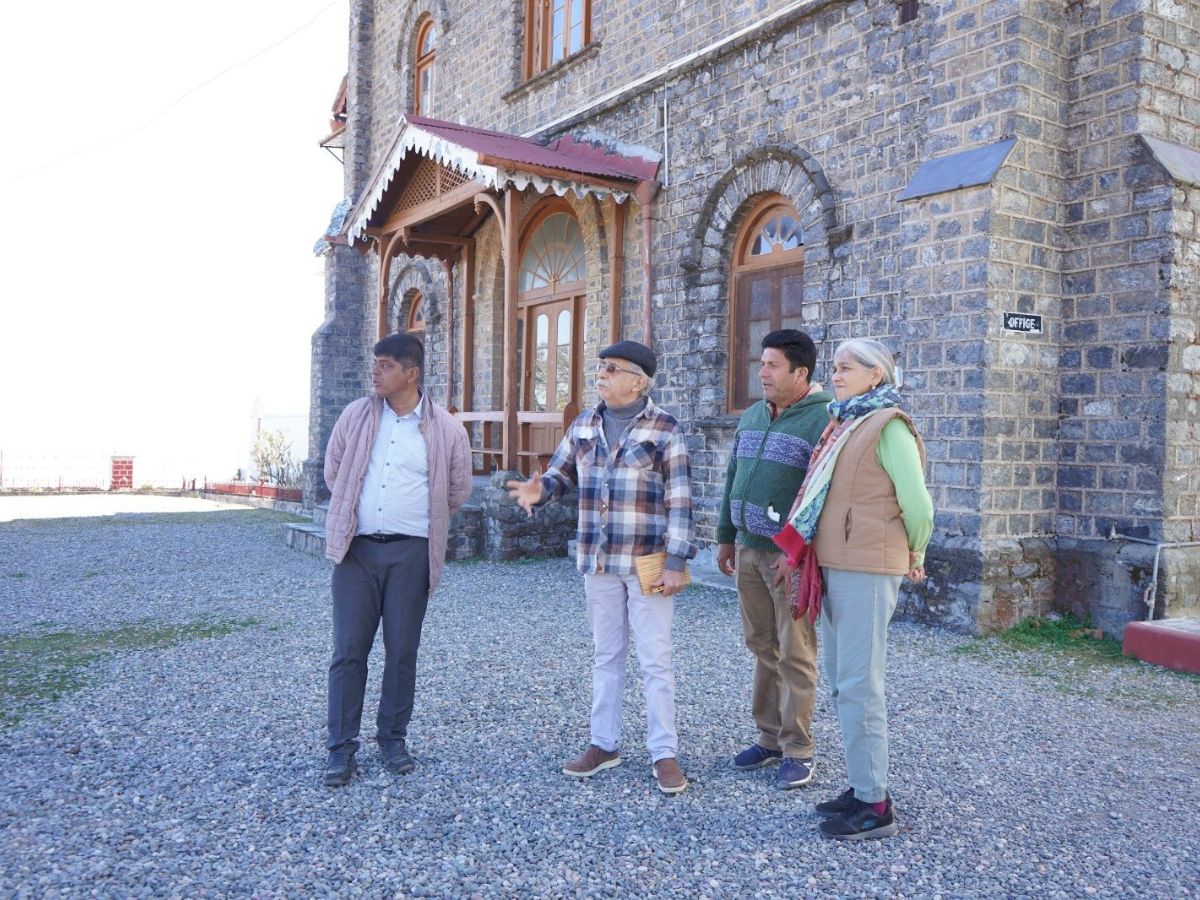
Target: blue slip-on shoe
{"x":794,"y":773}
{"x":755,"y":757}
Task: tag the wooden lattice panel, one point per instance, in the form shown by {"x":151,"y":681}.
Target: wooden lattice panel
{"x":448,"y":181}
{"x":422,"y":187}
{"x":427,"y":183}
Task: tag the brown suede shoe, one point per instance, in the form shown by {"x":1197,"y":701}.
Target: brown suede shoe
{"x":669,"y":776}
{"x":591,"y":761}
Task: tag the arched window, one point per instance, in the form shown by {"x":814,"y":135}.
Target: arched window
{"x":766,"y":291}
{"x":416,"y":316}
{"x":554,"y":29}
{"x":426,"y":51}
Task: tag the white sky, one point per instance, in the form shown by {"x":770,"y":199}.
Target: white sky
{"x":160,"y":279}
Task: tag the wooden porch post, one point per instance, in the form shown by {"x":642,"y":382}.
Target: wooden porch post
{"x":468,"y":340}
{"x":511,"y":401}
{"x":449,"y":267}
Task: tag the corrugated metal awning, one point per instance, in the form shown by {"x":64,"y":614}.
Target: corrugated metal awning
{"x":497,"y":160}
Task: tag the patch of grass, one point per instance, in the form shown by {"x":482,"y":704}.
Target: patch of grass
{"x":90,"y":573}
{"x":42,"y":668}
{"x":16,"y":574}
{"x":1076,"y":658}
{"x":1078,"y":640}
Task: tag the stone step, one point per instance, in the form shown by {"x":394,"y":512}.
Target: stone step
{"x":1173,"y":643}
{"x":319,"y":512}
{"x":465,"y":540}
{"x":306,"y":537}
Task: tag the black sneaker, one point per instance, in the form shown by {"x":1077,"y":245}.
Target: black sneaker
{"x":839,"y":806}
{"x":340,"y":768}
{"x":862,"y":824}
{"x":395,"y":757}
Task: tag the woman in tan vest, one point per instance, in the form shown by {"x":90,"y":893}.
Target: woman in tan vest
{"x":864,"y":517}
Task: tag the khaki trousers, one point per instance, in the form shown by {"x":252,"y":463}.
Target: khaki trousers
{"x":785,"y":656}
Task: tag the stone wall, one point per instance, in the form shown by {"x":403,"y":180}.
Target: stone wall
{"x":1039,"y":445}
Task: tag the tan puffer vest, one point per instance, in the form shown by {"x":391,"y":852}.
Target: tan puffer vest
{"x":861,"y":528}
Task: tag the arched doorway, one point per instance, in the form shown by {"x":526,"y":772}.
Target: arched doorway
{"x":550,"y":291}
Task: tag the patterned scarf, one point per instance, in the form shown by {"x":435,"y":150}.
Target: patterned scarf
{"x":844,"y":417}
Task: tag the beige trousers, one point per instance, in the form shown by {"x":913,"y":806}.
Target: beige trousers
{"x":785,"y":656}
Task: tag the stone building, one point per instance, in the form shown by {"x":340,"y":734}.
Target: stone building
{"x":1005,"y":192}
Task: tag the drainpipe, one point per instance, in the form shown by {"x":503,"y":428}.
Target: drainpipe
{"x":645,"y":192}
{"x":1148,"y":596}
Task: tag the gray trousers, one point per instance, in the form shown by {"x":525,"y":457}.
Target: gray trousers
{"x":388,"y":582}
{"x":854,"y":622}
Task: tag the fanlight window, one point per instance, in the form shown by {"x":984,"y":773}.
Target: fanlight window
{"x":553,"y":255}
{"x":778,"y":231}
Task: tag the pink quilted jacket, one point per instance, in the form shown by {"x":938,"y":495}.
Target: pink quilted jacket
{"x":346,"y":460}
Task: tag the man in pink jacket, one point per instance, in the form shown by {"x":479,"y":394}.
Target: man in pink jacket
{"x":398,"y":467}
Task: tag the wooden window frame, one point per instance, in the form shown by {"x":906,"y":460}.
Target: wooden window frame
{"x":539,"y":24}
{"x":417,"y":303}
{"x":742,"y":263}
{"x":572,"y":292}
{"x":423,"y":63}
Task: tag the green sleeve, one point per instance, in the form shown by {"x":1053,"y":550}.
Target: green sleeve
{"x":897,"y":453}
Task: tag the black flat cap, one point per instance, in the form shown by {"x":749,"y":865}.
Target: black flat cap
{"x":636,"y":353}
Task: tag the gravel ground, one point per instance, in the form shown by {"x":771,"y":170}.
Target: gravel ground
{"x":195,"y":770}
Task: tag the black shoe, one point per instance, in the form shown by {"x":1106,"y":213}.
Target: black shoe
{"x":862,"y":824}
{"x":839,"y":806}
{"x":395,"y":757}
{"x":340,"y":768}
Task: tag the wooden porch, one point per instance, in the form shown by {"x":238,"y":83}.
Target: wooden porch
{"x":538,"y":434}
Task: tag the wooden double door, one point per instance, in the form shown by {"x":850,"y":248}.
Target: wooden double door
{"x":548,"y":345}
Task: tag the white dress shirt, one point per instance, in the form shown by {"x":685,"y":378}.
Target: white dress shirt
{"x":395,"y":491}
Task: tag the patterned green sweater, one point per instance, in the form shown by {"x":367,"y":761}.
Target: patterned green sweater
{"x":766,"y":468}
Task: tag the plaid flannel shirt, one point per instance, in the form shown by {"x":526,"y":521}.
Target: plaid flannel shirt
{"x":634,"y":500}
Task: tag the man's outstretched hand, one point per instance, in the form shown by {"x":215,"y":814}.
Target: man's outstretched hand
{"x":528,"y":494}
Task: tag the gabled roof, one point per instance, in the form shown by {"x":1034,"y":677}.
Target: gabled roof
{"x":496,"y":160}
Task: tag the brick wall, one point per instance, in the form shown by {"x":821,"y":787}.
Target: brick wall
{"x":120,"y":476}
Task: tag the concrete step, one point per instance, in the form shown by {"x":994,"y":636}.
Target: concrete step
{"x":319,"y":512}
{"x":1173,"y":643}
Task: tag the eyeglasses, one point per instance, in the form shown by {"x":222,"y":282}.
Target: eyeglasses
{"x":610,"y":368}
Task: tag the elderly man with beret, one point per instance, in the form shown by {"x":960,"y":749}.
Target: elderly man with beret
{"x":630,"y":462}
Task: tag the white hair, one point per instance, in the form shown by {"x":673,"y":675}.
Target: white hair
{"x":871,"y":354}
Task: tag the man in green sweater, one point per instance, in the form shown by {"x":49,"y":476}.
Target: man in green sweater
{"x":767,"y":463}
